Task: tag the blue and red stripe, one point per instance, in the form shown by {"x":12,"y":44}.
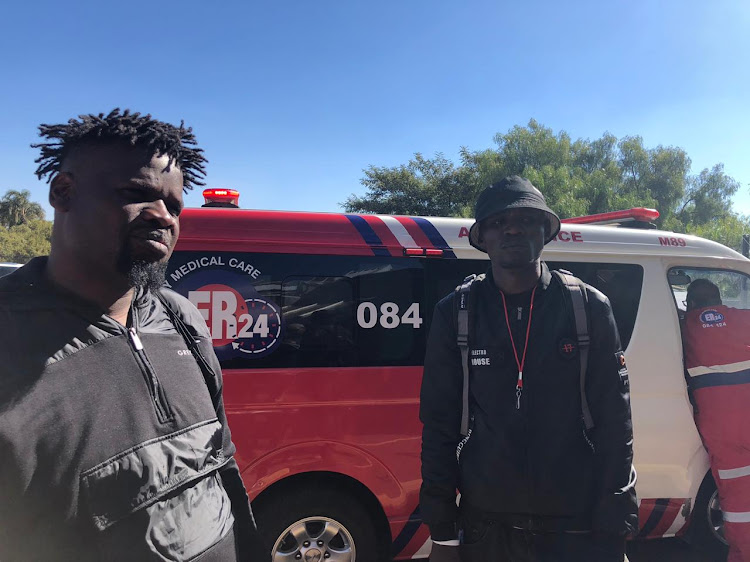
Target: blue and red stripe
{"x":369,"y":235}
{"x":425,"y":234}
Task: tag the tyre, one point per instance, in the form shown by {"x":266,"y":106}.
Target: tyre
{"x":707,"y":523}
{"x":317,"y":525}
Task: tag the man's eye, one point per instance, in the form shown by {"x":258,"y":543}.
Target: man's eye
{"x":133,"y":194}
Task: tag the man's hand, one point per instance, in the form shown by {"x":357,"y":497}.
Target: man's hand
{"x":444,"y":553}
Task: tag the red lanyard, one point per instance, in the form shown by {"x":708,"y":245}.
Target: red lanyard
{"x":522,"y":362}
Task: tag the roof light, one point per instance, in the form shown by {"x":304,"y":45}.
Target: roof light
{"x":639,"y":214}
{"x":424,"y":252}
{"x":221,"y":197}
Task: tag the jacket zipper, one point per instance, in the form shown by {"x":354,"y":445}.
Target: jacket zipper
{"x":158,"y":397}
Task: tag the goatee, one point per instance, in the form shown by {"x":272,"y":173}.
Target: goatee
{"x":140,"y":273}
{"x":149,"y":275}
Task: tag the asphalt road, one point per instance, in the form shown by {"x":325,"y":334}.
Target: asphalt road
{"x":666,"y":550}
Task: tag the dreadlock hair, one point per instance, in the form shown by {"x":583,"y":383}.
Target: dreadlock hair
{"x":136,"y":129}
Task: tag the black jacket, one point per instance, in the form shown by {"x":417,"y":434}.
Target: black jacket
{"x":529,"y":466}
{"x":112,"y":444}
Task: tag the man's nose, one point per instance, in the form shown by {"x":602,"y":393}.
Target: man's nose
{"x":157,"y":211}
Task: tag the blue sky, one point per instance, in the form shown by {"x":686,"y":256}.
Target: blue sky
{"x":292,"y":100}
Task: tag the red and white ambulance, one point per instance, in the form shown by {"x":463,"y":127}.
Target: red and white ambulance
{"x":320,"y":321}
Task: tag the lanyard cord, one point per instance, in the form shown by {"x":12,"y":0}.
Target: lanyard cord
{"x":522,"y":362}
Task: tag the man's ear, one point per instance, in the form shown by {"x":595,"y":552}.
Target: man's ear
{"x":61,"y":191}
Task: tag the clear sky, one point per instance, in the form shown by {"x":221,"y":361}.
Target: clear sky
{"x":291,"y":100}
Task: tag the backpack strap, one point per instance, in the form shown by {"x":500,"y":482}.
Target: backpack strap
{"x":578,"y":298}
{"x":209,"y":377}
{"x":462,"y":339}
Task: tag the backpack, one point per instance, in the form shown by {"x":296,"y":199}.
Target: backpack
{"x":578,"y":299}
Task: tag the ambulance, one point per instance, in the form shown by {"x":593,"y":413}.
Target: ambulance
{"x":320,"y":320}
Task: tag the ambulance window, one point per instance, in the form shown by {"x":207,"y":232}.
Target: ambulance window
{"x":269,"y":310}
{"x":620,"y":282}
{"x":733,"y":286}
{"x":390,"y":314}
{"x":317,"y":314}
{"x":443,"y":276}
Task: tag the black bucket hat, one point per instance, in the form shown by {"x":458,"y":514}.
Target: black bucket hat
{"x":513,"y":192}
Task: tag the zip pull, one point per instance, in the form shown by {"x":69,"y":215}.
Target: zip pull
{"x":138,"y":345}
{"x":520,"y":312}
{"x":519,"y":390}
{"x":135,"y":339}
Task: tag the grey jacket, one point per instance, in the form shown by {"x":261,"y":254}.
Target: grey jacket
{"x":112,"y":444}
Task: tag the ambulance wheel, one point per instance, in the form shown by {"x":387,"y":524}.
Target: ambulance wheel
{"x":317,"y":525}
{"x":707,"y":523}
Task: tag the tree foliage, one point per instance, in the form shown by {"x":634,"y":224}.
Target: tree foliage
{"x":22,"y":242}
{"x":16,"y":208}
{"x":24,"y":233}
{"x":577,"y":177}
{"x":421,"y":187}
{"x":727,"y":230}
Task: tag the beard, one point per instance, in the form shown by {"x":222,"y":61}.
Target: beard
{"x":150,"y":275}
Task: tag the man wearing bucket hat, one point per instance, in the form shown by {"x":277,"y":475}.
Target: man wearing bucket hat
{"x":536,"y":483}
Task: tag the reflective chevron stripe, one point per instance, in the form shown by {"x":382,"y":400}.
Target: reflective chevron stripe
{"x":734,"y":472}
{"x":737,"y":516}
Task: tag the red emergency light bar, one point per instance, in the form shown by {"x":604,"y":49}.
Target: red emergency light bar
{"x":221,"y":197}
{"x":639,"y":214}
{"x":424,"y":252}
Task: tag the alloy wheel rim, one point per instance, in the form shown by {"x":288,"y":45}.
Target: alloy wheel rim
{"x":314,"y":539}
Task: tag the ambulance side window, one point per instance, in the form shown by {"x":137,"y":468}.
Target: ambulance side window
{"x":390,"y":314}
{"x":622,"y":283}
{"x":733,"y":286}
{"x":267,"y":311}
{"x":318,"y":320}
{"x":443,"y":276}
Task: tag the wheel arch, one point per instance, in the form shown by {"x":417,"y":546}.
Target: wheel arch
{"x":327,"y":463}
{"x":338,"y":483}
{"x":331,"y":457}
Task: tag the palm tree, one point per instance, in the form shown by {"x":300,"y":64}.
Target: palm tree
{"x":16,"y":207}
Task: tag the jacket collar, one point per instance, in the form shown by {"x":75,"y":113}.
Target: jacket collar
{"x":31,"y":279}
{"x":544,"y":279}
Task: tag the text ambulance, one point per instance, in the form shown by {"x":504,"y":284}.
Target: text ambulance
{"x":320,"y":321}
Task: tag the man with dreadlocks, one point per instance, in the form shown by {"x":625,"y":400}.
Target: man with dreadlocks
{"x":113,"y":440}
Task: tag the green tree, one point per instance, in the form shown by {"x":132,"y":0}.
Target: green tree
{"x":22,"y":242}
{"x":545,"y":158}
{"x":727,"y":230}
{"x":577,"y":177}
{"x":16,"y":207}
{"x":708,"y":197}
{"x":651,"y":177}
{"x":422,"y":187}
